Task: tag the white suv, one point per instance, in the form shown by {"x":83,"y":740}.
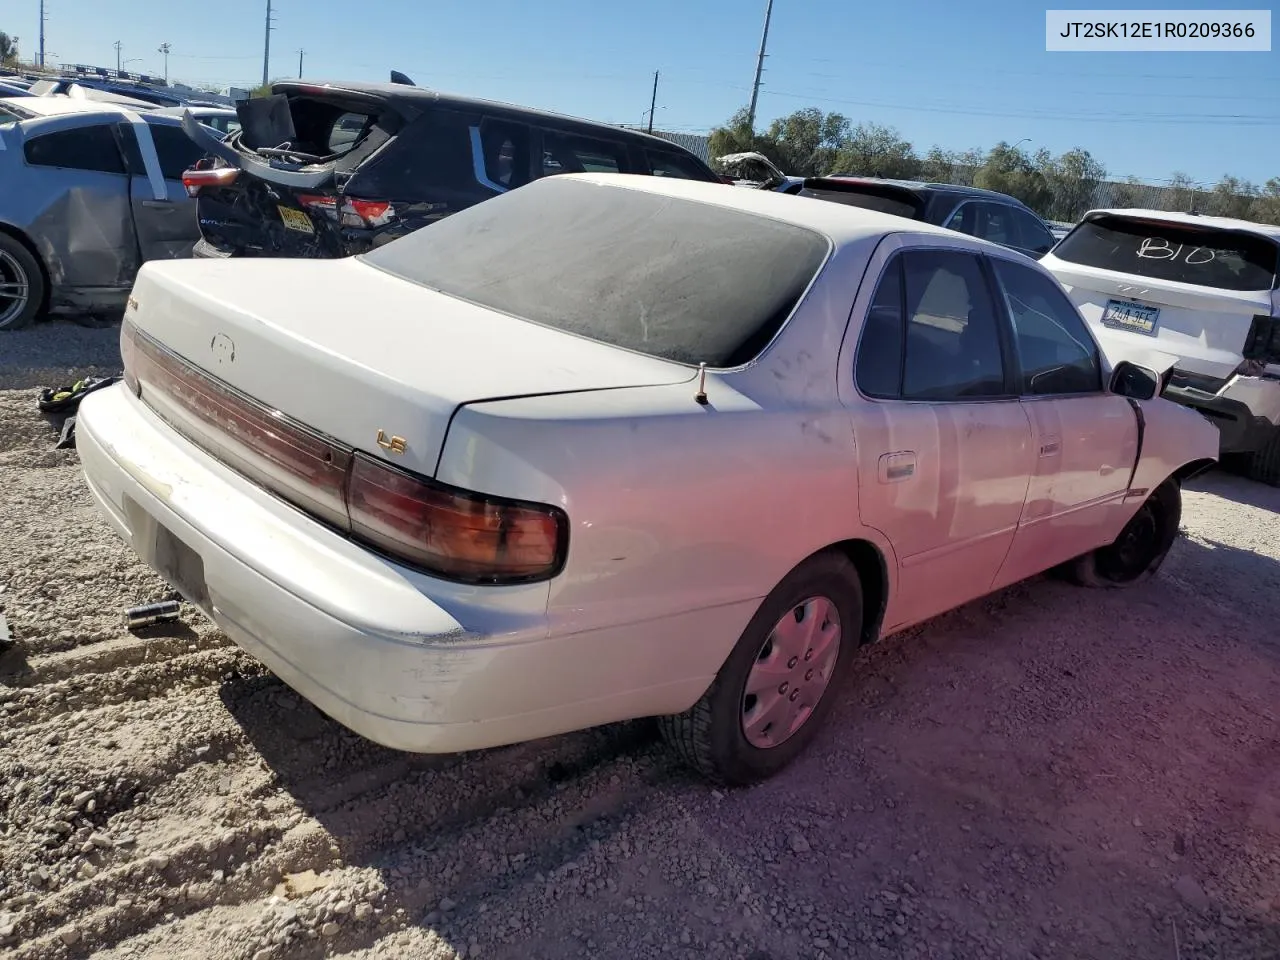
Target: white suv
{"x":1202,"y":291}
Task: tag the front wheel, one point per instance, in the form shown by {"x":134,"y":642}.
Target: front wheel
{"x":780,"y":681}
{"x":1141,"y":548}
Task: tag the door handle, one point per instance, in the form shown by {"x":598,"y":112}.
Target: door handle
{"x":1050,"y":448}
{"x":158,"y":204}
{"x":896,"y":467}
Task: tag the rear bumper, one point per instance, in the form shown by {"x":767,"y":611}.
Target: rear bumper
{"x":407,"y":661}
{"x":1242,"y":429}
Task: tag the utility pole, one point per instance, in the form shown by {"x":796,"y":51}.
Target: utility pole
{"x":300,"y":53}
{"x":653,"y":103}
{"x":42,"y":19}
{"x":266,"y":49}
{"x":165,"y":48}
{"x":117,"y":46}
{"x":755,"y":89}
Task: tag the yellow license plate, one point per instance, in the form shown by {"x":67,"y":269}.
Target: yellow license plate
{"x":296,"y":220}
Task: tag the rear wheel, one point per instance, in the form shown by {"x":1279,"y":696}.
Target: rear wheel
{"x":1140,"y":549}
{"x":1264,"y":463}
{"x":21,"y":284}
{"x":780,"y":681}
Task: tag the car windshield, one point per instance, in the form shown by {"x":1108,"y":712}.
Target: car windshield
{"x":663,"y":276}
{"x":1162,"y":250}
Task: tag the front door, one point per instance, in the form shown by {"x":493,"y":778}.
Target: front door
{"x":944,"y":447}
{"x":1085,"y":439}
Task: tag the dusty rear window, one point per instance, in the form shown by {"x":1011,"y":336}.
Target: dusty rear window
{"x":663,"y":276}
{"x":1184,"y":253}
{"x":900,"y":204}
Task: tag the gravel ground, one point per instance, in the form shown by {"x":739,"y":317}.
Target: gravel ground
{"x":1048,"y":773}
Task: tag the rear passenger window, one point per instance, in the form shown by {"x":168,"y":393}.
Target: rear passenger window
{"x":177,"y":151}
{"x":952,"y":340}
{"x":878,"y":368}
{"x":1054,"y":348}
{"x":565,"y":153}
{"x":668,"y":165}
{"x":505,"y":149}
{"x":1033,"y":235}
{"x":86,"y":148}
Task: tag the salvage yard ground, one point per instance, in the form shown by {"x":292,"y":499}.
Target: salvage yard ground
{"x":1049,"y":773}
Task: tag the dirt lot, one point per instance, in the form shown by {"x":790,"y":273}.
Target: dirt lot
{"x":1049,"y":773}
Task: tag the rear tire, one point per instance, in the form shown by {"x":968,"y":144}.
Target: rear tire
{"x":22,"y":285}
{"x":1264,"y":463}
{"x":1141,"y":548}
{"x":794,"y":654}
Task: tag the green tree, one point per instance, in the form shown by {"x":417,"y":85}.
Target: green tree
{"x":1266,"y":205}
{"x":877,"y":151}
{"x":1009,"y":170}
{"x":8,"y":48}
{"x":1127,"y":193}
{"x":1231,"y":197}
{"x":803,"y":144}
{"x":1183,"y":194}
{"x":1071,"y":179}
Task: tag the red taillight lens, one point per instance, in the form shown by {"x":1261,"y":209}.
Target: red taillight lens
{"x":195,"y":179}
{"x":363,"y":214}
{"x":462,"y":535}
{"x":315,"y":203}
{"x":455,"y":534}
{"x":299,"y":465}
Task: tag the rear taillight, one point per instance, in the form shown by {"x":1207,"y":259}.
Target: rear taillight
{"x":451,"y":533}
{"x":195,"y":179}
{"x":461,"y":535}
{"x":362,"y":214}
{"x":301,"y":466}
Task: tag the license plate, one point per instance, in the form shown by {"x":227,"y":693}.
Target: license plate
{"x":181,"y":566}
{"x":1126,"y":315}
{"x":296,"y":220}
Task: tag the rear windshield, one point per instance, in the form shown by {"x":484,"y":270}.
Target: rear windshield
{"x":667,"y":277}
{"x":1184,"y":253}
{"x":900,"y":203}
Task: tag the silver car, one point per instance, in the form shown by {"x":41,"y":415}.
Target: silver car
{"x":91,"y":190}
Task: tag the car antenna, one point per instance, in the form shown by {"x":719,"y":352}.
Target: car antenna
{"x":400,"y":78}
{"x":701,"y":395}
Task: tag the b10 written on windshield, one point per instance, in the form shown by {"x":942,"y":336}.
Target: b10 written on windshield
{"x":1157,"y":248}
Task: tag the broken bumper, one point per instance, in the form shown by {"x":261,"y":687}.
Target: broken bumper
{"x":1246,"y":411}
{"x":410,"y":662}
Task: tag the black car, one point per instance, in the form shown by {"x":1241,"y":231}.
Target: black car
{"x":980,"y":213}
{"x":334,"y":169}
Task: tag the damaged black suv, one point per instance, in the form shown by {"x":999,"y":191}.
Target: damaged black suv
{"x":334,"y":169}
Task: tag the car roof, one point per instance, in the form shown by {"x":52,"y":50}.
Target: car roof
{"x":423,"y":96}
{"x":197,"y":110}
{"x":924,"y":186}
{"x":58,"y":106}
{"x":1268,"y":230}
{"x":844,"y":224}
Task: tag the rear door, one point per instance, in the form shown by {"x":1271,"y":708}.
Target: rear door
{"x":163,"y":215}
{"x":77,"y":190}
{"x":943,"y":445}
{"x":1085,"y":439}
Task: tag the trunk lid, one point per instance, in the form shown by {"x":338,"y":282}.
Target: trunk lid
{"x":1205,"y":329}
{"x":297,"y":151}
{"x":351,"y":351}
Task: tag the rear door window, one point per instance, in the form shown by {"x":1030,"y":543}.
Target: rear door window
{"x":504,"y":154}
{"x":672,"y":165}
{"x":1032,"y":234}
{"x":1183,"y":253}
{"x":569,"y":153}
{"x":85,"y":148}
{"x":952,"y":331}
{"x":177,"y":151}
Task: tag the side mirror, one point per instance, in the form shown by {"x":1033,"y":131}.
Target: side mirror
{"x":1130,"y":380}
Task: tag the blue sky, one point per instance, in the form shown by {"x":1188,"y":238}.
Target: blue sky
{"x":958,"y":75}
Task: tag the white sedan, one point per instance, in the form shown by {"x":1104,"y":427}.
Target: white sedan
{"x":608,"y":447}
